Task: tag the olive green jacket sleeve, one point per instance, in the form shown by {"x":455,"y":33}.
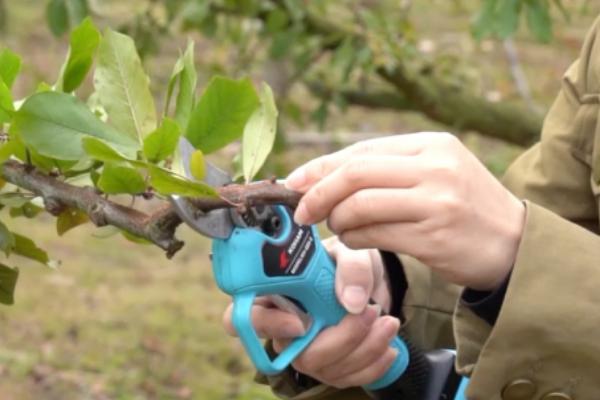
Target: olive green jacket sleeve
{"x":545,"y":340}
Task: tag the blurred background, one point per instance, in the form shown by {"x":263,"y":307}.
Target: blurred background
{"x":118,"y":320}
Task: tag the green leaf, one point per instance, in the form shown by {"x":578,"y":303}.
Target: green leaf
{"x":8,"y":282}
{"x":25,"y":247}
{"x":282,"y":43}
{"x":167,"y":183}
{"x":184,"y":72}
{"x":14,"y":199}
{"x":69,"y":219}
{"x":221,"y":114}
{"x":7,"y":239}
{"x":84,"y":43}
{"x":62,"y":14}
{"x":507,"y":17}
{"x":135,"y":239}
{"x":538,"y":19}
{"x":120,"y":179}
{"x":57,"y":16}
{"x":10,"y":65}
{"x":6,"y":103}
{"x":259,"y":134}
{"x":102,"y":151}
{"x":27,"y":210}
{"x":123,"y":87}
{"x":483,"y":24}
{"x":54,"y":124}
{"x":277,"y":20}
{"x":161,"y":143}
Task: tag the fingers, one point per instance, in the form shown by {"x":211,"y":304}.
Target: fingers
{"x":354,"y":280}
{"x":414,"y":238}
{"x":372,"y":348}
{"x":268,"y":322}
{"x":369,"y":374}
{"x":403,"y":145}
{"x":333,"y":343}
{"x":356,"y":358}
{"x":371,"y":171}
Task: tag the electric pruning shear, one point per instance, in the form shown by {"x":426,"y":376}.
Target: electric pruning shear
{"x":262,"y":252}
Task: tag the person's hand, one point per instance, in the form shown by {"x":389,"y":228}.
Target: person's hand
{"x":355,"y":352}
{"x":422,"y":194}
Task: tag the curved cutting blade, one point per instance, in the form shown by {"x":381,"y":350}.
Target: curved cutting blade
{"x":216,"y":223}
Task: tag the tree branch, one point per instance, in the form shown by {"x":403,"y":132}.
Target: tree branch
{"x":438,"y":98}
{"x":379,"y":99}
{"x":158,"y":227}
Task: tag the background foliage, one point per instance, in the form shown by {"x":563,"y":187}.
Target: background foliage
{"x":117,"y":320}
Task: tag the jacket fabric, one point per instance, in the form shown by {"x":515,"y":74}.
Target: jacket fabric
{"x":545,"y":343}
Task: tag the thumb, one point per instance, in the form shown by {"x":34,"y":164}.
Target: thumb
{"x":354,"y":278}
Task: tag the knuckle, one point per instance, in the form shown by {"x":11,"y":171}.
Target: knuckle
{"x":314,"y":199}
{"x":361,"y":204}
{"x":447,"y":205}
{"x":354,"y":171}
{"x":446,"y":169}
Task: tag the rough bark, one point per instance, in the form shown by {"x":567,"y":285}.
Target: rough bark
{"x":158,"y":227}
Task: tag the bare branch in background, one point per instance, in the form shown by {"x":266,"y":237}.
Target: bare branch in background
{"x":518,"y":75}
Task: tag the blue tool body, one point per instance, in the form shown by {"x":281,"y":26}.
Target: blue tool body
{"x":293,"y":264}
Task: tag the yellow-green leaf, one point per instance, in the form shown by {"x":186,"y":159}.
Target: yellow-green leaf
{"x":161,"y":143}
{"x":8,"y":282}
{"x":167,"y":183}
{"x":198,"y":165}
{"x":123,"y":86}
{"x":221,"y":114}
{"x":10,"y":65}
{"x":25,"y":247}
{"x":259,"y":134}
{"x":184,"y":72}
{"x":84,"y":42}
{"x":120,"y":179}
{"x":69,"y":219}
{"x":54,"y":124}
{"x":7,"y":239}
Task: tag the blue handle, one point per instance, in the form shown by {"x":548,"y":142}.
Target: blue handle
{"x":396,"y":370}
{"x":292,"y":264}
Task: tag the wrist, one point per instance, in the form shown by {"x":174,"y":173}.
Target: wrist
{"x":508,"y":247}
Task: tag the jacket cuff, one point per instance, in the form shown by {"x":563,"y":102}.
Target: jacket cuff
{"x":486,"y":304}
{"x":398,"y":283}
{"x":550,"y":305}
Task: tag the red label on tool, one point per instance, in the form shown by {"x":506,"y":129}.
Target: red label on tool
{"x":283,"y":259}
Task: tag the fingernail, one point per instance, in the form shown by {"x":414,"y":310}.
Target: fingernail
{"x":301,"y":215}
{"x":354,"y":298}
{"x":296,"y":179}
{"x":369,"y":315}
